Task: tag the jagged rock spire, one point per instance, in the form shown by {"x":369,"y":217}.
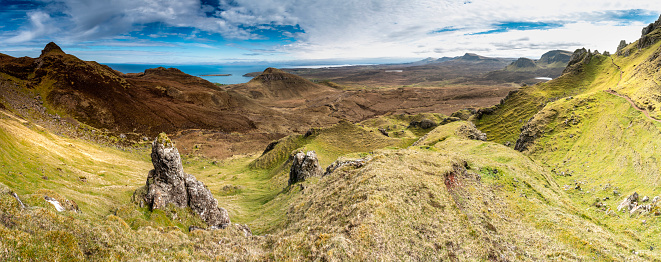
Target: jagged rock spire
{"x":168,"y":184}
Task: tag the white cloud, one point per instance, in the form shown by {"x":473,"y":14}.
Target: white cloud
{"x":397,"y":28}
{"x":353,"y":28}
{"x":39,"y":26}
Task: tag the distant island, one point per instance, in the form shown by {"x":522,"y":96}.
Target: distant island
{"x":217,"y":75}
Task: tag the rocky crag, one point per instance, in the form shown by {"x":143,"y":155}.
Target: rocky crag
{"x":304,"y":165}
{"x":168,"y":184}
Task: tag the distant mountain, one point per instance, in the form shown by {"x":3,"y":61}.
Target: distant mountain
{"x":554,"y":58}
{"x":468,"y":57}
{"x":430,"y":60}
{"x":277,"y":84}
{"x":475,"y":58}
{"x":550,"y":59}
{"x":522,"y":64}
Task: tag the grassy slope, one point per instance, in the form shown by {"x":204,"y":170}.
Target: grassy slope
{"x":505,"y":124}
{"x":610,"y":149}
{"x":396,"y":207}
{"x":399,"y":207}
{"x":34,"y":159}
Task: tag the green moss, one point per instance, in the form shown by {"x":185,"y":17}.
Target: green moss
{"x":164,"y":140}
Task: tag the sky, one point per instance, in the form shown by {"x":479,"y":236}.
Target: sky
{"x":354,"y":31}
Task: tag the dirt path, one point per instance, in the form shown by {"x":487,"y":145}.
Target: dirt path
{"x":613,"y":92}
{"x":647,"y":113}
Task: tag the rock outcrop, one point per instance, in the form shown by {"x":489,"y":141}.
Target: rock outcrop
{"x":304,"y":166}
{"x":168,"y":184}
{"x":647,"y":37}
{"x":357,"y":163}
{"x":579,"y":58}
{"x":424,"y":124}
{"x":471,"y":132}
{"x":622,"y":45}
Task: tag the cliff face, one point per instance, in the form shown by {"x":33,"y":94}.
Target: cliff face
{"x":578,"y":59}
{"x":650,"y":35}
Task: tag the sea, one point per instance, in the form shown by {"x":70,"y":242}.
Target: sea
{"x":235,"y":72}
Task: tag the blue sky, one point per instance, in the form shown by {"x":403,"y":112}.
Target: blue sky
{"x":248,"y":31}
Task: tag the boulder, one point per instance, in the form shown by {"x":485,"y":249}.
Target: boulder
{"x":645,"y":199}
{"x":204,"y":204}
{"x":384,"y":132}
{"x":63,"y":204}
{"x":640,"y":209}
{"x":629,"y":202}
{"x":304,"y":166}
{"x":168,"y":184}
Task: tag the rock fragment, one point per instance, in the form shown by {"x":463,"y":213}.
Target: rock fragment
{"x":629,"y":203}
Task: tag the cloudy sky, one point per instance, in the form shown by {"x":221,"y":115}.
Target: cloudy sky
{"x":225,"y":31}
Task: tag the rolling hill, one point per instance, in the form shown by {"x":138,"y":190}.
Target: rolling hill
{"x":100,"y":97}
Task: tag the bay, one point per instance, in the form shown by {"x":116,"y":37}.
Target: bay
{"x":236,"y":71}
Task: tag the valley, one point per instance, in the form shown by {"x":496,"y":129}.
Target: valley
{"x":457,"y":159}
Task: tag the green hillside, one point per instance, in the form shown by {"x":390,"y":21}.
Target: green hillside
{"x":449,"y":198}
{"x":545,"y":186}
{"x":600,"y":147}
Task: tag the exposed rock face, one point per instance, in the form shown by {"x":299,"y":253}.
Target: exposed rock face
{"x":529,"y":132}
{"x":647,"y":39}
{"x":304,"y":165}
{"x":168,"y":184}
{"x":622,"y":45}
{"x":579,"y":58}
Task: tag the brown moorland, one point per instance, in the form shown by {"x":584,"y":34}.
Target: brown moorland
{"x":219,"y":121}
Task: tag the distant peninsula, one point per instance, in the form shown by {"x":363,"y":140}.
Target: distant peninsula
{"x":217,"y":75}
